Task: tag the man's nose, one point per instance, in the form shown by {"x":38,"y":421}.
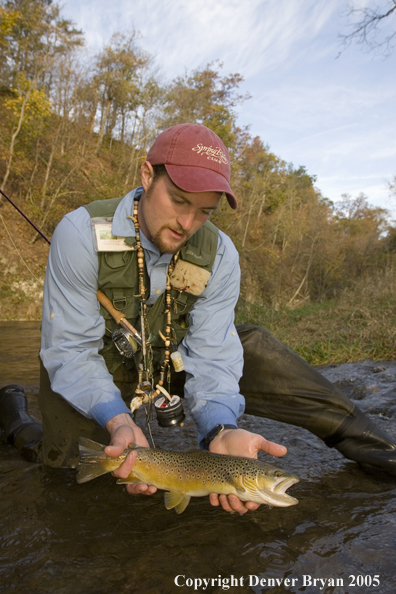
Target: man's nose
{"x":186,"y":220}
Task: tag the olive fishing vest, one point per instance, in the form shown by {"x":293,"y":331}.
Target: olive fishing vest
{"x":118,"y":278}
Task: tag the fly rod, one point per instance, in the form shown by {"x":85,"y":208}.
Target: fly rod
{"x":25,"y":217}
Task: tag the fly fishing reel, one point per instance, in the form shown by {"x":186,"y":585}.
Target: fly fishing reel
{"x":124,"y":342}
{"x":168,"y":409}
{"x":169,"y":412}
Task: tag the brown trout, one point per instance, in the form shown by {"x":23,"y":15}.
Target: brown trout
{"x":195,"y":473}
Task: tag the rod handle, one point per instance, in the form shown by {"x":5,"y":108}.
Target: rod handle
{"x":107,"y":304}
{"x":117,"y":315}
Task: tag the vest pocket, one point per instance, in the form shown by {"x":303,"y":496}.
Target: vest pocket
{"x":180,"y":327}
{"x":123,"y":300}
{"x":116,"y":259}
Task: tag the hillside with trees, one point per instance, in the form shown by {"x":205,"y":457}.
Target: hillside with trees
{"x":75,"y":129}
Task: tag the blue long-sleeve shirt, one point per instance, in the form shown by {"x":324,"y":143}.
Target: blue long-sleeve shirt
{"x":72,"y":327}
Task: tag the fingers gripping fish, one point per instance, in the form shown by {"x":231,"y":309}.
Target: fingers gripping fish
{"x":195,"y":473}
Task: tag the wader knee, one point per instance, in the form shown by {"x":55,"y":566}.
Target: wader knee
{"x":63,"y":426}
{"x":21,"y":430}
{"x":280,"y":385}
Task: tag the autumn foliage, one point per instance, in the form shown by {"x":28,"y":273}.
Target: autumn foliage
{"x":75,"y":129}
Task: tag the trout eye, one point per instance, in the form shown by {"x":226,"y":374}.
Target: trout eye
{"x":278,"y":473}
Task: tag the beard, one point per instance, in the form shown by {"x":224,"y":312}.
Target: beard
{"x":158,"y":239}
{"x":167,"y":247}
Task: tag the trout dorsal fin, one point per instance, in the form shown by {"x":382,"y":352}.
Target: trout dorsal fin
{"x":174,"y":499}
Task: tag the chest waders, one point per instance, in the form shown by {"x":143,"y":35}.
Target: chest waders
{"x":280,"y":385}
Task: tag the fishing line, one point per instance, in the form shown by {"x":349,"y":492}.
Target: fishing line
{"x":149,"y":426}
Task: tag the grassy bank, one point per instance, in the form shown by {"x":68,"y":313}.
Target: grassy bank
{"x":361,"y":324}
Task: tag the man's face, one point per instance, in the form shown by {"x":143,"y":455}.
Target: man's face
{"x":168,"y":216}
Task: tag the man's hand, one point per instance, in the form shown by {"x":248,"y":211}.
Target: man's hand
{"x":238,"y":442}
{"x":124,"y":431}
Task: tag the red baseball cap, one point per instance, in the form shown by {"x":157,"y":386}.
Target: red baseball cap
{"x":195,"y":158}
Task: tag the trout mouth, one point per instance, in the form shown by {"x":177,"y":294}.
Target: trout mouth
{"x":277,"y":494}
{"x":283,"y":484}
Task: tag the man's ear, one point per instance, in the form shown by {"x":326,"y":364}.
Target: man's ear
{"x":147,"y":175}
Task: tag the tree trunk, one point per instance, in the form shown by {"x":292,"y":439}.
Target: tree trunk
{"x":48,"y":168}
{"x":14,"y":137}
{"x":102,"y":126}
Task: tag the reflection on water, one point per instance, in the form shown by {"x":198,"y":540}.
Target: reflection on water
{"x":57,"y":536}
{"x":19,"y":349}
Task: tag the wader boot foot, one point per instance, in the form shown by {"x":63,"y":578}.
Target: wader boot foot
{"x":359,"y":439}
{"x":21,"y":430}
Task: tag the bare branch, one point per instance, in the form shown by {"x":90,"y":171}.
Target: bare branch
{"x":368,"y":28}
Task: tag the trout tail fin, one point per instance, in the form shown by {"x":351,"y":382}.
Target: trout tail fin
{"x":92,"y":458}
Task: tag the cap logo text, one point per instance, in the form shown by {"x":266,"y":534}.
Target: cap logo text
{"x":213,"y":154}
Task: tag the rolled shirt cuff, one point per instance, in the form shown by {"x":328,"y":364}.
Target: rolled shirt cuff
{"x":209,"y":416}
{"x":104,"y":411}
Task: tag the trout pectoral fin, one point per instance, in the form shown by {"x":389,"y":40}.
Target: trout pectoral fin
{"x":176,"y":500}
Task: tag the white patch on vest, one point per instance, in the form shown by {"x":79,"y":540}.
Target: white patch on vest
{"x":189,"y":277}
{"x":104,"y":239}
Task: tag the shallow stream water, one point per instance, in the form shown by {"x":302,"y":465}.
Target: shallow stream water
{"x":60,"y":537}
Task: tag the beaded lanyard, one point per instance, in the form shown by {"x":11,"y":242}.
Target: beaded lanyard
{"x":145,"y":389}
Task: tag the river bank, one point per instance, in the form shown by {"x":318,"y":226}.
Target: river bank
{"x":359,"y":325}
